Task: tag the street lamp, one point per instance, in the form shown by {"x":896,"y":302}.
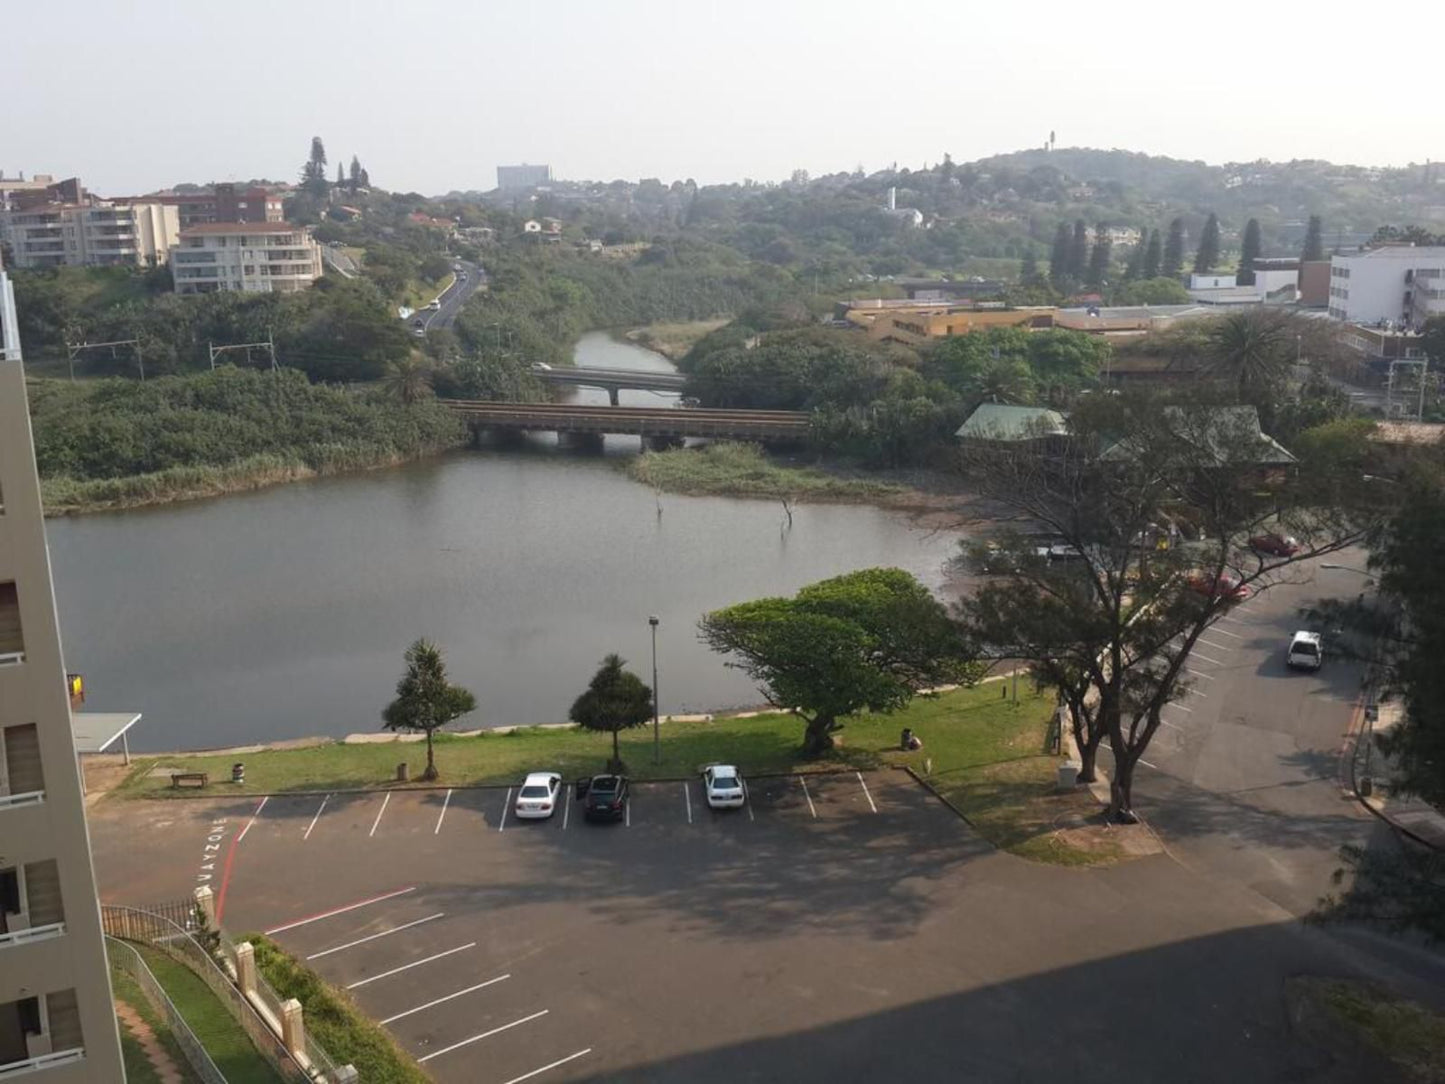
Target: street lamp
{"x":656,"y":722}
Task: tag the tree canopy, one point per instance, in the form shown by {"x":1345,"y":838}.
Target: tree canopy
{"x":425,"y":699}
{"x":615,"y":700}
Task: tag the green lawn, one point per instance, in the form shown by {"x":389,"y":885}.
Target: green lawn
{"x":1408,"y":1034}
{"x":215,"y":1027}
{"x":744,"y":470}
{"x":138,"y":1069}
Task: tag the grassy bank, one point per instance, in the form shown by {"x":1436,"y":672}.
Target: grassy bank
{"x":988,"y":756}
{"x":673,"y":340}
{"x":1408,"y":1035}
{"x":743,"y":470}
{"x":138,"y":1067}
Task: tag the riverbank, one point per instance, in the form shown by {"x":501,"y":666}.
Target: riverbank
{"x":672,"y":340}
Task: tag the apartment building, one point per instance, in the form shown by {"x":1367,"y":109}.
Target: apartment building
{"x":254,"y":257}
{"x":1391,"y":284}
{"x":221,"y":203}
{"x":57,"y":1023}
{"x":90,"y":234}
{"x":520,"y":178}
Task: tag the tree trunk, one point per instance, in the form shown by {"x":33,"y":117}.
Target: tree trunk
{"x":1121,"y":792}
{"x":616,"y":754}
{"x":1088,"y":758}
{"x":1088,"y":747}
{"x":818,"y":738}
{"x":431,"y":765}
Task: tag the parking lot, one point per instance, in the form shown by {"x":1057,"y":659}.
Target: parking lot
{"x":503,"y":950}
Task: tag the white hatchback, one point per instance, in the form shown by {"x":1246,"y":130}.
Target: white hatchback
{"x":1306,"y":651}
{"x":723,"y":785}
{"x":538,"y":797}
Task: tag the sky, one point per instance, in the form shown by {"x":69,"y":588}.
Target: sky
{"x":432,"y":96}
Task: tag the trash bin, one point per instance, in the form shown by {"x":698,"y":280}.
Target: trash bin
{"x":403,"y":772}
{"x":905,"y":738}
{"x":238,"y":772}
{"x":1068,"y":776}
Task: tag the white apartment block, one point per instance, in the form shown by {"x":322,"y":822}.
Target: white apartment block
{"x":253,"y":257}
{"x":90,"y":235}
{"x":1394,"y":284}
{"x":57,"y":1021}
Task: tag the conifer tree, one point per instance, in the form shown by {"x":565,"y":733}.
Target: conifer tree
{"x":1174,"y":250}
{"x":1208,"y":254}
{"x":1248,"y":253}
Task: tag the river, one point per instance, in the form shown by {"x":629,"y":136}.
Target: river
{"x":284,"y":613}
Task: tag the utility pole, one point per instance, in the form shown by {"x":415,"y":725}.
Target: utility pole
{"x":72,"y":349}
{"x":269,"y":346}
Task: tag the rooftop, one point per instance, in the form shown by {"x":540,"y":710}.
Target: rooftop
{"x":1397,"y":252}
{"x":997,"y":421}
{"x":241,"y":227}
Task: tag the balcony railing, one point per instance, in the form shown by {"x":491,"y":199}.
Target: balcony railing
{"x":34,"y":933}
{"x":44,"y":1061}
{"x":25,"y":797}
{"x":11,"y":658}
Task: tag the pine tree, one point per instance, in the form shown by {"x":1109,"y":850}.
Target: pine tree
{"x":1029,"y":270}
{"x":1079,"y":250}
{"x":1099,"y":257}
{"x":1135,"y":267}
{"x":1314,"y":247}
{"x":1174,"y":250}
{"x":1208,"y":254}
{"x":355,"y":173}
{"x":1059,"y":257}
{"x":1153,"y":256}
{"x":1248,"y":253}
{"x":313,"y":173}
{"x":340,"y":176}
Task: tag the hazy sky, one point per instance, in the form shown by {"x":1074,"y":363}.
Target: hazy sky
{"x":137,"y":94}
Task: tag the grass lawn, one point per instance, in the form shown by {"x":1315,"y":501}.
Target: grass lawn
{"x":743,"y":470}
{"x":138,"y":1069}
{"x":419,"y":294}
{"x":1408,"y":1034}
{"x":987,"y":756}
{"x":215,"y":1027}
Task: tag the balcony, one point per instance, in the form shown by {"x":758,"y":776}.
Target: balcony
{"x":23,"y":781}
{"x":17,"y":1069}
{"x":12,"y":641}
{"x":32,"y":1040}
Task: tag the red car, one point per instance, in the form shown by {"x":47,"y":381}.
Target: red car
{"x":1276,"y":545}
{"x":1226,"y":587}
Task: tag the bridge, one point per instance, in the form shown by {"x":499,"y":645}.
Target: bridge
{"x":611,"y":380}
{"x":658,"y":425}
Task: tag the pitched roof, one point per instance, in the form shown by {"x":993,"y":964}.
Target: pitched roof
{"x":1222,"y":432}
{"x":998,"y":421}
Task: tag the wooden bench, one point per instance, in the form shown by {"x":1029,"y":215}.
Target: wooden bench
{"x":197,"y":779}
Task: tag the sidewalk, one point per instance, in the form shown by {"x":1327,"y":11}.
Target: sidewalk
{"x":1416,"y":818}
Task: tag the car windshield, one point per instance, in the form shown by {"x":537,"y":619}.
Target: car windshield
{"x":724,"y":781}
{"x":607,"y":785}
{"x":1305,"y":647}
{"x":536,"y":790}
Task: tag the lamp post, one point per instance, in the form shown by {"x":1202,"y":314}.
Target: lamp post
{"x":656,"y":721}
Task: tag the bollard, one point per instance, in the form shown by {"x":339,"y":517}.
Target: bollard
{"x":345,"y":1074}
{"x":403,"y":772}
{"x":238,"y":772}
{"x":246,"y":968}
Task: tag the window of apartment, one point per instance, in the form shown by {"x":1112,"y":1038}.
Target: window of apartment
{"x":21,"y":772}
{"x":12,"y":642}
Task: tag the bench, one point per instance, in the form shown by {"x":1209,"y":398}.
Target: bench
{"x":197,"y":779}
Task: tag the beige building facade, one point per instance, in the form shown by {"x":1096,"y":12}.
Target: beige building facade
{"x":90,"y":234}
{"x":252,"y":257}
{"x":57,"y":1022}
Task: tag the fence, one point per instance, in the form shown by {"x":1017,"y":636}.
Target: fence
{"x":149,"y":927}
{"x":129,"y":961}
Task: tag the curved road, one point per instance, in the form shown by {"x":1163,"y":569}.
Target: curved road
{"x":452,"y":298}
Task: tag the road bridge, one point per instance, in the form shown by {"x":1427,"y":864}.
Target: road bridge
{"x":653,"y":424}
{"x":611,"y":380}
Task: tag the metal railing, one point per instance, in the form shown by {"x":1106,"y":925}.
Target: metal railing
{"x":128,"y":960}
{"x":32,"y":933}
{"x":25,"y":797}
{"x":42,"y":1061}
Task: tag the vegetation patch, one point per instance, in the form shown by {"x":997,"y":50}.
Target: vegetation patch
{"x":138,"y":1067}
{"x":334,"y":1019}
{"x":673,"y":340}
{"x":1406,"y":1034}
{"x":744,"y":470}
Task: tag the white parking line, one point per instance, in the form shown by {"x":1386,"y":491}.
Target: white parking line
{"x":566,"y":807}
{"x":438,"y":1001}
{"x":445,"y":802}
{"x":338,"y":911}
{"x":479,"y":1038}
{"x":1181,"y":707}
{"x":1166,"y":722}
{"x":687,"y":797}
{"x":1225,"y":632}
{"x":414,"y":963}
{"x":506,"y":804}
{"x":1217,"y":647}
{"x":384,"y":802}
{"x":307,"y":833}
{"x":253,"y":818}
{"x":865,"y":792}
{"x":627,"y":812}
{"x":375,"y":936}
{"x":553,"y":1065}
{"x":1199,"y":673}
{"x":808,"y":796}
{"x":748,"y":801}
{"x":1206,"y":658}
{"x":1233,"y":621}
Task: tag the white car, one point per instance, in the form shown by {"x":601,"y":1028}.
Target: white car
{"x":723,"y":785}
{"x":1306,"y":651}
{"x":537,"y":799}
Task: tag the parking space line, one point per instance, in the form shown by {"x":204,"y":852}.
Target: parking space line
{"x":506,"y":804}
{"x":864,"y":785}
{"x":808,"y":796}
{"x":748,"y":801}
{"x":375,"y":936}
{"x":478,"y":1038}
{"x":1181,"y":707}
{"x":627,"y":812}
{"x":338,"y":911}
{"x":1166,"y":722}
{"x":414,"y":963}
{"x":307,"y":834}
{"x":379,"y":812}
{"x":1206,"y":658}
{"x":253,"y":818}
{"x":1217,"y":647}
{"x":553,"y":1065}
{"x":687,"y":797}
{"x":445,"y":802}
{"x":566,"y":808}
{"x":1197,"y":673}
{"x":1225,"y":632}
{"x":438,"y":1001}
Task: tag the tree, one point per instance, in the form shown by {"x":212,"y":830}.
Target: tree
{"x":1059,"y":256}
{"x":1153,"y":257}
{"x":1079,"y":251}
{"x":865,"y":640}
{"x":1253,"y":351}
{"x":356,"y":172}
{"x":1029,"y":269}
{"x":1248,"y":253}
{"x":1099,"y":256}
{"x":1174,"y":250}
{"x":408,"y":380}
{"x":1155,"y":291}
{"x":313,"y":173}
{"x":1113,"y":629}
{"x":425,"y":700}
{"x":1134,"y":269}
{"x":1314,"y":246}
{"x":1432,"y":340}
{"x":1208,"y":253}
{"x":340,"y":177}
{"x":615,"y":700}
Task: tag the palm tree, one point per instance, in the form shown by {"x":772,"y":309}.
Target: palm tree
{"x":425,"y":700}
{"x":1250,"y":350}
{"x":408,"y":379}
{"x":1001,"y":380}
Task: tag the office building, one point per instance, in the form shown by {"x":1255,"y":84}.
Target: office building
{"x":253,"y":257}
{"x":1401,"y":285}
{"x":519,"y":178}
{"x":57,"y":1023}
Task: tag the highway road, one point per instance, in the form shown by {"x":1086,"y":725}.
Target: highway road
{"x":452,"y":299}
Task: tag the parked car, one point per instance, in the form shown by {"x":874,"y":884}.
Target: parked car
{"x":537,"y":798}
{"x":606,"y":798}
{"x":1306,"y":651}
{"x":418,"y":322}
{"x":1226,"y":586}
{"x":723,"y":785}
{"x":434,"y":304}
{"x":1276,"y":545}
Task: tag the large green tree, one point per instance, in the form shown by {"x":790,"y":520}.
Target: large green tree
{"x":1099,"y":256}
{"x":1059,"y":256}
{"x":1174,"y":250}
{"x":1253,"y":351}
{"x":1314,"y":246}
{"x":1079,"y":251}
{"x":1208,"y":253}
{"x":866,"y":640}
{"x":1248,"y":253}
{"x":426,"y":700}
{"x":616,"y":700}
{"x":1153,"y":257}
{"x":313,"y":173}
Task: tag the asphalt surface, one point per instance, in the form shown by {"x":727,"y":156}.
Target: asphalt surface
{"x":452,"y":299}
